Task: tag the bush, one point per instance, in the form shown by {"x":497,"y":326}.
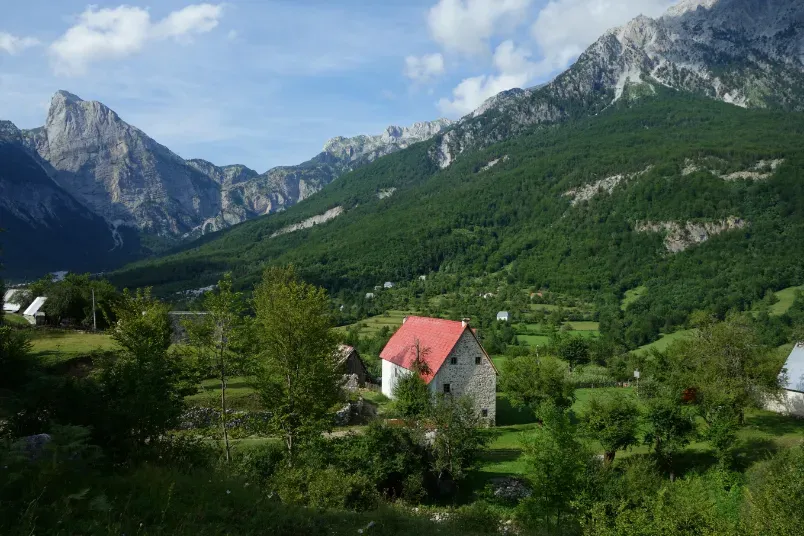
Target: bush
{"x":260,"y":463}
{"x":326,"y":488}
{"x":774,"y":501}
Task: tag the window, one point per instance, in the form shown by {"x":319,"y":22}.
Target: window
{"x":453,"y":361}
{"x":477,"y":360}
{"x":446,"y":388}
{"x":484,"y":413}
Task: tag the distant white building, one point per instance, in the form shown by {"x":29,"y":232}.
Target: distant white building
{"x":34,"y":313}
{"x":457,"y":364}
{"x":369,"y":295}
{"x":791,"y":380}
{"x":388,"y":284}
{"x":503,"y":316}
{"x":11,"y":300}
{"x":423,"y":278}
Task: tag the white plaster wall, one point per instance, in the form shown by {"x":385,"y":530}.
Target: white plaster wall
{"x":468,"y":378}
{"x":791,"y":403}
{"x":391,"y":374}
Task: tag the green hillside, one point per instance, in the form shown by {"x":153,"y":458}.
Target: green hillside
{"x":515,"y":217}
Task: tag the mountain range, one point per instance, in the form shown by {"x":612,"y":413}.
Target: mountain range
{"x":141,"y":190}
{"x":748,"y":54}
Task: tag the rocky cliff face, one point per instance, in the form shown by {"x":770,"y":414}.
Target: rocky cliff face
{"x":746,"y":52}
{"x":46,"y":228}
{"x":118,"y":172}
{"x":369,"y":148}
{"x":129,"y":180}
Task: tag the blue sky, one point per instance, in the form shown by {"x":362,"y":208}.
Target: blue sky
{"x":266,"y":83}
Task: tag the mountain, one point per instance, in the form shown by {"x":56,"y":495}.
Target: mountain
{"x":44,"y":227}
{"x":130,"y":180}
{"x":745,"y":52}
{"x":591,"y":185}
{"x":99,"y":165}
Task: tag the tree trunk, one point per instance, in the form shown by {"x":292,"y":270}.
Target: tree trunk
{"x":224,"y":417}
{"x":608,"y":458}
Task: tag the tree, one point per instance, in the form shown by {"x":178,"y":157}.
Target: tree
{"x":614,"y":421}
{"x":556,"y":462}
{"x":411,"y":395}
{"x":670,"y":426}
{"x":725,"y":370}
{"x":297,"y":377}
{"x":458,"y":439}
{"x":218,"y":337}
{"x":530,"y":381}
{"x":142,"y":387}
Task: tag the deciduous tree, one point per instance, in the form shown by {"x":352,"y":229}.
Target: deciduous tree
{"x":297,"y":375}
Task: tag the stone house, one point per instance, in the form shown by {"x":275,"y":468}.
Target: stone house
{"x":350,"y":362}
{"x":456,"y":361}
{"x":503,"y":316}
{"x":791,"y":400}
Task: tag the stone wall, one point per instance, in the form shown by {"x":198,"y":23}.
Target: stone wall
{"x":466,"y":377}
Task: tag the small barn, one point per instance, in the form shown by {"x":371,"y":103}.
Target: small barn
{"x":503,"y":316}
{"x":351,"y":363}
{"x":791,"y":380}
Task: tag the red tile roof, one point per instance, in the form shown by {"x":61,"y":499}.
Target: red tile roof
{"x":436,"y":339}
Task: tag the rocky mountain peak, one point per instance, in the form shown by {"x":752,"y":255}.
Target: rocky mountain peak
{"x":392,"y":139}
{"x":9,"y":131}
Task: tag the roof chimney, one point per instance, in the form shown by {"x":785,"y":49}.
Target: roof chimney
{"x":465,"y":321}
{"x":405,"y":319}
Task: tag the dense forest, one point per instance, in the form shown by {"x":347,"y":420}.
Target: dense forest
{"x":517,"y":219}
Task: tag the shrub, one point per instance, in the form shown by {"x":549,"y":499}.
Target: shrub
{"x":325,"y":488}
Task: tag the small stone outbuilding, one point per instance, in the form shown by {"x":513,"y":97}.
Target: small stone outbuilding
{"x":456,"y":362}
{"x":351,"y":364}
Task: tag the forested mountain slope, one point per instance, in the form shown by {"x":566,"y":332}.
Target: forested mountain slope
{"x":702,"y":202}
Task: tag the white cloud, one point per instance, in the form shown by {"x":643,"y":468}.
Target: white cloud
{"x":200,"y":18}
{"x":465,"y":26}
{"x":565,"y":28}
{"x":14,"y":45}
{"x":514,"y":69}
{"x":424,"y":68}
{"x":232,"y":35}
{"x":112,"y":33}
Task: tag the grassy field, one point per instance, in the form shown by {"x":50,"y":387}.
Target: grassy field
{"x":15,"y":320}
{"x":240,"y":394}
{"x":786,"y":297}
{"x":533,"y":340}
{"x":666,"y":340}
{"x":55,"y":346}
{"x":633,"y":295}
{"x":370,"y":326}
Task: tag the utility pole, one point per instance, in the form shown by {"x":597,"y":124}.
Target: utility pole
{"x":94,"y":321}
